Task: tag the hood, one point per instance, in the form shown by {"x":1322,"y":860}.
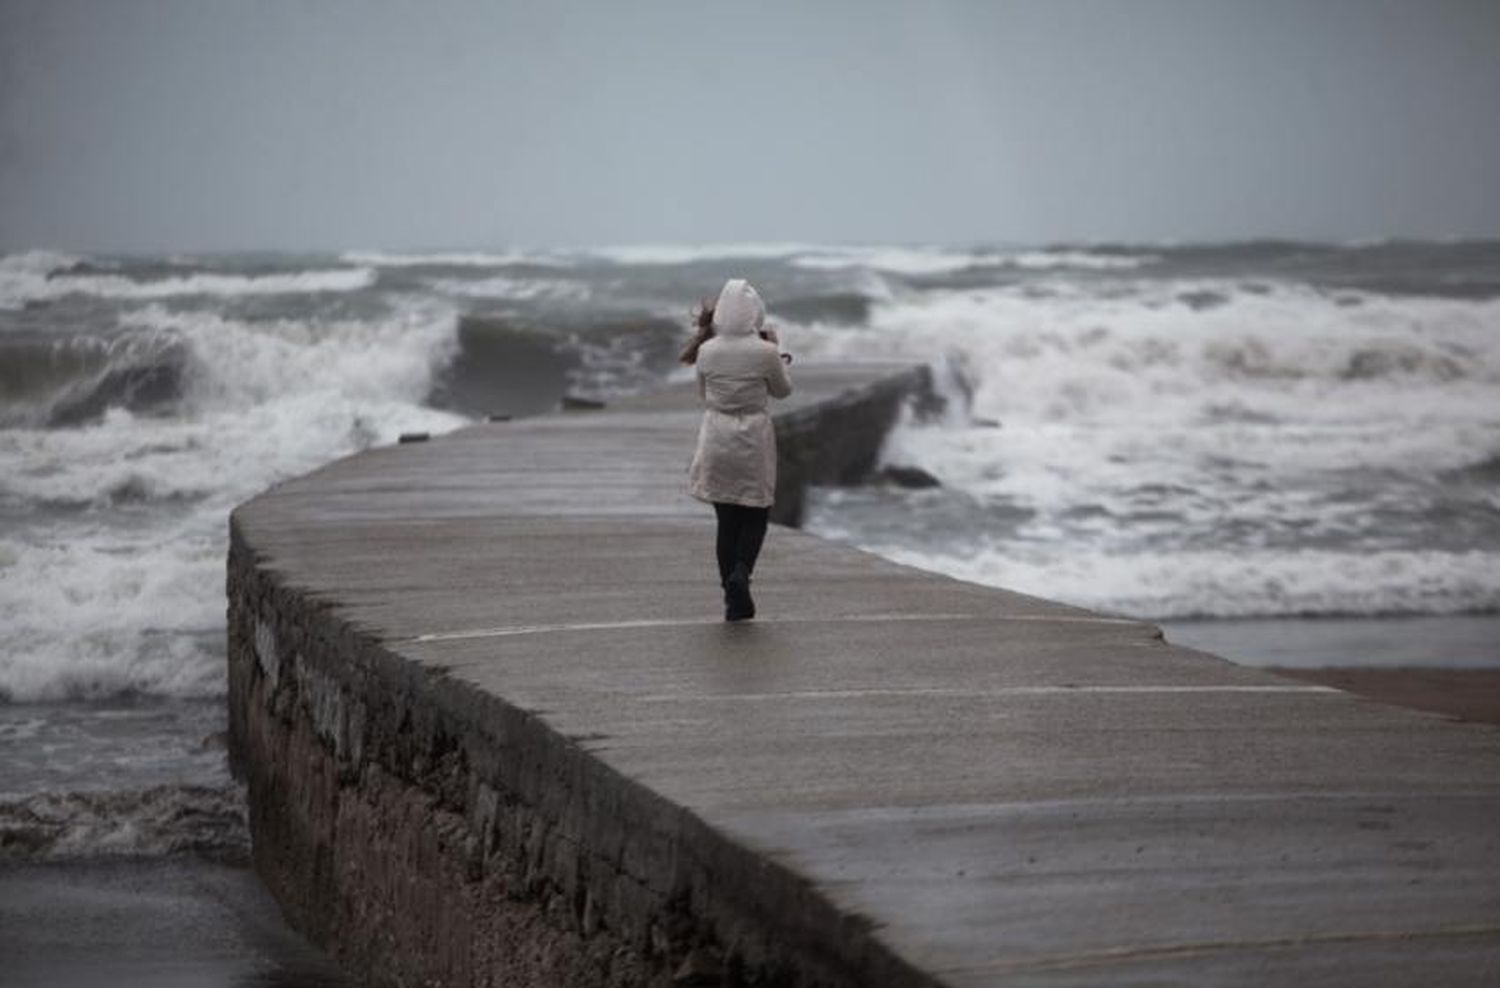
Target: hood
{"x":739,"y":310}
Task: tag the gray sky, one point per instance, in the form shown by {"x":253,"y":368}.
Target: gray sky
{"x":199,"y":125}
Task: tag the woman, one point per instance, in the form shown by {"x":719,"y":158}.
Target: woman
{"x":734,"y":468}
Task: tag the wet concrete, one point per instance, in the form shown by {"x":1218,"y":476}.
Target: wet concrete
{"x":890,"y":777}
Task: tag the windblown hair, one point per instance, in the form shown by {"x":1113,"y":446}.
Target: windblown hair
{"x":703,"y":318}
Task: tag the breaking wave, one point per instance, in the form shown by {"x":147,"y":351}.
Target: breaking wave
{"x":1284,"y":450}
{"x":38,"y":276}
{"x":96,"y":604}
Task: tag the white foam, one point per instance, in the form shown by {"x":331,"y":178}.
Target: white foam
{"x":89,"y":612}
{"x":1138,"y":429}
{"x":94,"y":604}
{"x":1165,"y":584}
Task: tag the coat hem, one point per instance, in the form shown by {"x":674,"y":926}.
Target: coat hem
{"x":741,"y":502}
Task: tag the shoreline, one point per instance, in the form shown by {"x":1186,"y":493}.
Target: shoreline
{"x":1471,"y":695}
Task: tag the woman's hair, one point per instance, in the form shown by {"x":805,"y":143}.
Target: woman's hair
{"x":703,"y":318}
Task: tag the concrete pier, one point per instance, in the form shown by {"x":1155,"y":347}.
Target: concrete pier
{"x":495,"y":733}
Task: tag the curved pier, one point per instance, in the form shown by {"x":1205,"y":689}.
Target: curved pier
{"x":495,"y":734}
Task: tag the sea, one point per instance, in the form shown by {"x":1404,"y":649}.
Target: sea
{"x":1286,"y":453}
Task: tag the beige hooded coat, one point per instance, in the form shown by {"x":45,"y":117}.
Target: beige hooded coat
{"x":736,"y":458}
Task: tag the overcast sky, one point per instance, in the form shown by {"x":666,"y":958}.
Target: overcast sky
{"x":201,"y":125}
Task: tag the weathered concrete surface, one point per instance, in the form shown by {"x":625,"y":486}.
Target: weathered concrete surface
{"x":495,"y":733}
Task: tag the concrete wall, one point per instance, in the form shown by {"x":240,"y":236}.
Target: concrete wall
{"x":428,"y":832}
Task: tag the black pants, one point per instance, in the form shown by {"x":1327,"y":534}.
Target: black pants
{"x":741,"y":532}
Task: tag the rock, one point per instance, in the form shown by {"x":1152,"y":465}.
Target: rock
{"x":911,"y":478}
{"x":578,"y":403}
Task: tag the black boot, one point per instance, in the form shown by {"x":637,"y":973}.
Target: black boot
{"x":738,"y":604}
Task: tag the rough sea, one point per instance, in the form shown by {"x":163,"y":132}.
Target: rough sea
{"x":1286,"y":452}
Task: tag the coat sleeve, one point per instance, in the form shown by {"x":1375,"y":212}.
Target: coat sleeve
{"x":778,"y":381}
{"x":702,"y":384}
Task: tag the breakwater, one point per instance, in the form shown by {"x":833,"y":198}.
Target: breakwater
{"x":494,"y":733}
{"x":428,"y":831}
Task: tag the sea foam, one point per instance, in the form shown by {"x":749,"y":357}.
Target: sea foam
{"x":122,"y":590}
{"x":1279,"y":450}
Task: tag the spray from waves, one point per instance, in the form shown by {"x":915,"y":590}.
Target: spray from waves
{"x":115,"y":582}
{"x":1283,"y":450}
{"x":39,"y":276}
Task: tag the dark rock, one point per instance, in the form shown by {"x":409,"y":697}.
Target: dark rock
{"x":912,"y":478}
{"x":577,"y":403}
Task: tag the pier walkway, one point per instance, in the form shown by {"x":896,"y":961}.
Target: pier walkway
{"x":494,"y":729}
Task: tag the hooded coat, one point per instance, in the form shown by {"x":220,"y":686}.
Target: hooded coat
{"x":735,"y":462}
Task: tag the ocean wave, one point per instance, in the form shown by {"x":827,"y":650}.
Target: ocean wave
{"x":23,"y":276}
{"x":1068,"y":349}
{"x":673,"y":254}
{"x":90,"y":615}
{"x":1046,"y":260}
{"x":919,"y":261}
{"x":67,"y":381}
{"x":32,"y":285}
{"x":895,"y":260}
{"x":42,"y":262}
{"x":127,"y":596}
{"x":1164,"y":583}
{"x":843,"y":308}
{"x":1278,"y":452}
{"x":207,"y":821}
{"x":513,"y":289}
{"x":513,"y":365}
{"x":454,"y":259}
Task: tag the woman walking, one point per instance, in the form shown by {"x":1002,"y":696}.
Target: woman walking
{"x":734,"y":469}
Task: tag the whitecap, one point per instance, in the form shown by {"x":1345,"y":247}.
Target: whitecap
{"x":452,"y":259}
{"x":513,"y":289}
{"x":669,"y":254}
{"x":29,"y":285}
{"x":94,"y":604}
